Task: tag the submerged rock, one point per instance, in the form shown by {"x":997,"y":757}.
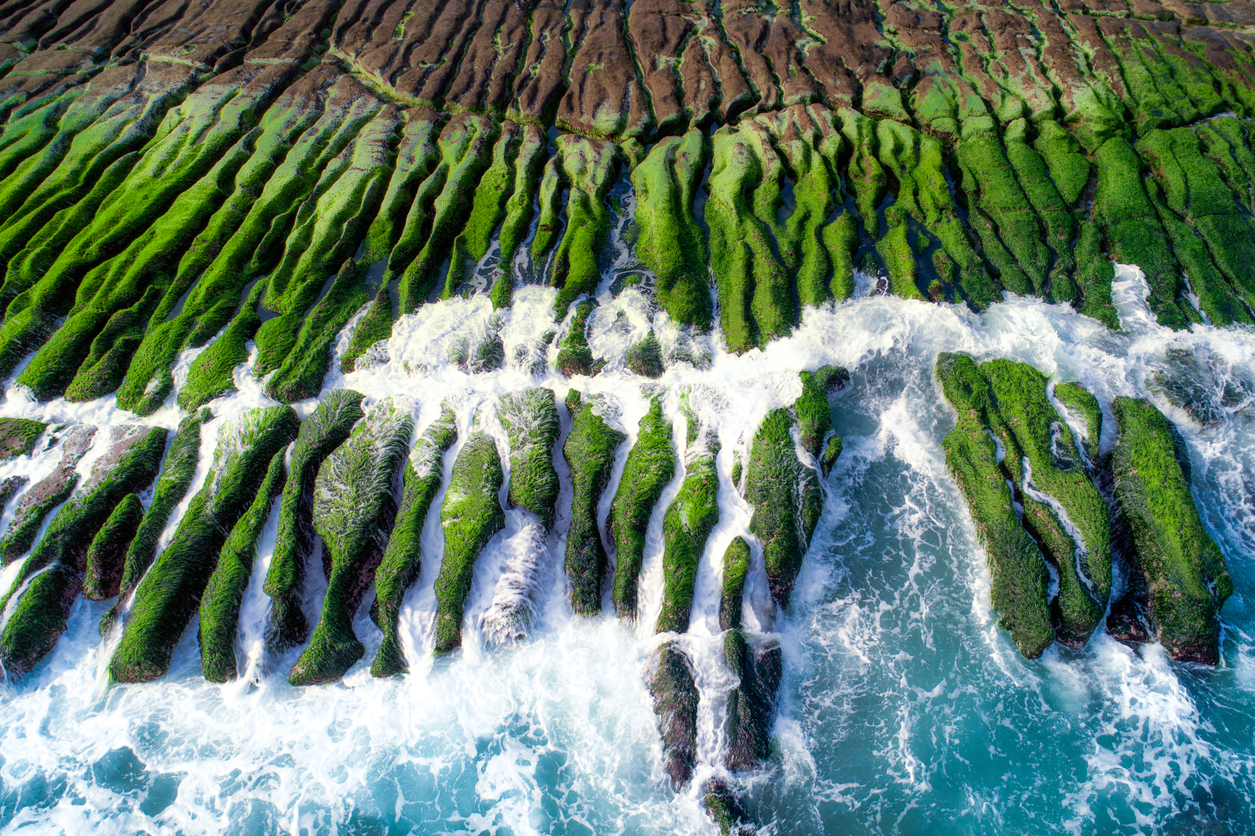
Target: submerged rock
{"x":43,"y":496}
{"x":752,"y":704}
{"x":1184,"y":573}
{"x":353,"y":513}
{"x":675,"y":696}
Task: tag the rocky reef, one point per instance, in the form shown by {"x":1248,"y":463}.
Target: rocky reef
{"x":218,"y":205}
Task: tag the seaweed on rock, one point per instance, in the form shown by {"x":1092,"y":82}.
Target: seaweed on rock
{"x":402,"y":560}
{"x":686,"y":527}
{"x":650,"y":466}
{"x":589,"y":450}
{"x":1181,"y":566}
{"x":353,"y":512}
{"x":674,"y":691}
{"x":224,"y":594}
{"x":471,"y":516}
{"x":531,"y":424}
{"x":51,"y":579}
{"x":168,"y":596}
{"x":325,"y":430}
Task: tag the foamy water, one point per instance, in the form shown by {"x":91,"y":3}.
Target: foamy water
{"x":904,"y":709}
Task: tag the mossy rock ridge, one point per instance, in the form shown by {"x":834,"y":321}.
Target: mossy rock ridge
{"x":224,"y":594}
{"x":471,"y":516}
{"x":531,"y":423}
{"x":354,"y":508}
{"x":402,"y":560}
{"x":177,"y":471}
{"x":326,"y":429}
{"x":52,"y":577}
{"x":170,"y":593}
{"x":1183,"y":570}
{"x":650,"y":467}
{"x":590,"y":451}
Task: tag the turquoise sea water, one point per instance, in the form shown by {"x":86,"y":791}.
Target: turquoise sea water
{"x":905,"y":709}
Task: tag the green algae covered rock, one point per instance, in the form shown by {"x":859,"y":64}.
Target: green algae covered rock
{"x":471,"y":516}
{"x":42,"y":497}
{"x":724,"y":809}
{"x":752,"y":704}
{"x":107,"y":554}
{"x":531,"y":423}
{"x":649,"y":468}
{"x":675,"y":696}
{"x":18,"y":436}
{"x":220,"y":606}
{"x":814,"y":413}
{"x":1018,"y":575}
{"x":590,"y":450}
{"x":1182,"y":568}
{"x":787,"y":502}
{"x":402,"y":560}
{"x":736,"y":565}
{"x":168,"y":596}
{"x":177,"y":473}
{"x":1062,"y":508}
{"x":1080,"y":403}
{"x":325,"y":430}
{"x":52,"y":577}
{"x":685,"y":529}
{"x":353,"y":513}
{"x":574,"y":355}
{"x":645,"y":357}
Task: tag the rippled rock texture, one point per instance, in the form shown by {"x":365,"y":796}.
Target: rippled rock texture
{"x":261,"y":176}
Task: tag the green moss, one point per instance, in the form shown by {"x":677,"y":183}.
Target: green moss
{"x":220,"y":606}
{"x":107,"y":554}
{"x":301,"y":375}
{"x":1069,"y":168}
{"x":531,"y":423}
{"x":1079,"y":402}
{"x":177,"y":473}
{"x":471,"y":516}
{"x":374,"y":327}
{"x":402,"y":560}
{"x":325,"y":430}
{"x":518,"y":208}
{"x":487,"y":210}
{"x":1183,"y":569}
{"x":353,"y":513}
{"x":1018,"y":575}
{"x":18,"y":436}
{"x":168,"y":596}
{"x":685,"y":528}
{"x":1134,"y":230}
{"x":590,"y":450}
{"x":1031,"y":431}
{"x":736,"y":565}
{"x":50,"y":580}
{"x":464,"y":147}
{"x":786,"y":499}
{"x":671,"y":242}
{"x":814,"y":413}
{"x":42,"y":497}
{"x":645,"y":357}
{"x":212,"y":373}
{"x":574,"y":355}
{"x":649,"y":468}
{"x":588,"y":166}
